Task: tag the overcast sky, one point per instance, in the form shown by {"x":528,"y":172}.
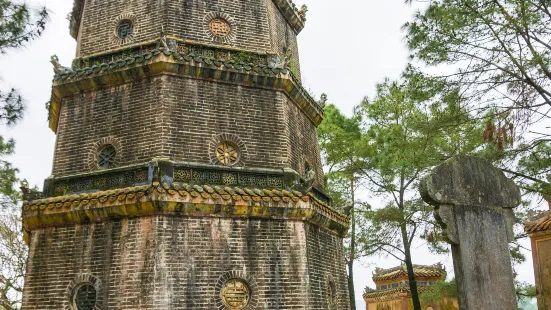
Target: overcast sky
{"x":346,"y":47}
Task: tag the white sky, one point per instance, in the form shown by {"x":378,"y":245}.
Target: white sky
{"x":346,"y":47}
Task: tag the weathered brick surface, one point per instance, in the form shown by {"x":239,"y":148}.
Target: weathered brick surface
{"x":99,"y":23}
{"x":258,"y":24}
{"x":130,"y":113}
{"x":326,"y":261}
{"x":166,"y":262}
{"x":302,"y":142}
{"x":197,"y":111}
{"x":186,"y":20}
{"x":283,"y":36}
{"x":175,"y":117}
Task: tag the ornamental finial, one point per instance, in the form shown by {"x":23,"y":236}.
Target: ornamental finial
{"x":302,"y":12}
{"x":323,"y":100}
{"x":58,"y":68}
{"x":282,"y":63}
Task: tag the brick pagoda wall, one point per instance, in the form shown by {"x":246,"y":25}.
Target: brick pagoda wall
{"x":130,"y":113}
{"x":198,"y":110}
{"x":302,"y":139}
{"x":258,"y":24}
{"x":283,"y":36}
{"x":167,"y":263}
{"x":99,"y":22}
{"x":186,"y":20}
{"x":170,"y":262}
{"x":175,"y":117}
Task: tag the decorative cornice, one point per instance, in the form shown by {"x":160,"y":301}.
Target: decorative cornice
{"x":166,"y":170}
{"x":184,"y":172}
{"x":179,"y":40}
{"x":182,"y":199}
{"x":160,"y":61}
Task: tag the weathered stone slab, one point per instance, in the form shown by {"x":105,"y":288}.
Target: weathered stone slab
{"x":474,"y":202}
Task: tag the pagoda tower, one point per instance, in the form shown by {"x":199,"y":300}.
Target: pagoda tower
{"x":392,"y":290}
{"x":187,"y":173}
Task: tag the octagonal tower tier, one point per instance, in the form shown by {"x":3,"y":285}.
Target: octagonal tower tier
{"x":187,"y":173}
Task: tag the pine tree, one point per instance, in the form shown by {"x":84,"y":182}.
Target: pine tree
{"x":19,"y":24}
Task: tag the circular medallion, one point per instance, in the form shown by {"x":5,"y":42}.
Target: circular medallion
{"x":219,"y":27}
{"x":125,"y":29}
{"x":85,"y":297}
{"x":227,"y":153}
{"x":106,"y":157}
{"x":235,"y":294}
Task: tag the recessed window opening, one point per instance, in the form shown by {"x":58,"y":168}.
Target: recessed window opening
{"x":106,"y":157}
{"x":125,"y":28}
{"x":85,"y":297}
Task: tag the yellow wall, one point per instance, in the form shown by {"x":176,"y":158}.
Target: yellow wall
{"x":445,"y":304}
{"x":403,"y":280}
{"x":386,"y":305}
{"x":541,"y":251}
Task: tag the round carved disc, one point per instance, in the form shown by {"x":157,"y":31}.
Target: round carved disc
{"x":219,"y":27}
{"x":235,"y":294}
{"x":227,"y":153}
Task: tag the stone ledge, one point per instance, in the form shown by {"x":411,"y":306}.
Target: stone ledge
{"x":165,"y":62}
{"x":169,"y":171}
{"x":183,"y":200}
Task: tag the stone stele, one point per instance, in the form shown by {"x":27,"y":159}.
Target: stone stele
{"x":474,"y":204}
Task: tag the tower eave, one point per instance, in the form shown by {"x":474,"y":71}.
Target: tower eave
{"x":182,"y":200}
{"x":160,"y":62}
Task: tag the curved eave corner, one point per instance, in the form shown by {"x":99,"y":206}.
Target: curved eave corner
{"x":290,"y":12}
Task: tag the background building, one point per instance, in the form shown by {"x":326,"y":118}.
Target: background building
{"x":539,"y":229}
{"x":392,"y":290}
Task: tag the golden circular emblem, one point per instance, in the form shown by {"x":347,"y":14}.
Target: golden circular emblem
{"x":219,"y":27}
{"x":235,"y":294}
{"x":227,"y":153}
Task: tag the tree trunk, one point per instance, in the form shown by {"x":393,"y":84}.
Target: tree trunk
{"x":352,"y":250}
{"x":407,"y":252}
{"x":409,"y":266}
{"x":351,"y":286}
